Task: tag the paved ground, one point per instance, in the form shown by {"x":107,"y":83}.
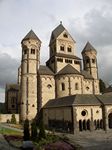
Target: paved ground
{"x":92,"y":140}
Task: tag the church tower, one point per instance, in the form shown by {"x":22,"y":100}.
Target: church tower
{"x":29,"y":65}
{"x":62,"y":50}
{"x":90,"y":60}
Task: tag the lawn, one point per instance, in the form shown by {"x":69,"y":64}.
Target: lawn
{"x":6,"y":131}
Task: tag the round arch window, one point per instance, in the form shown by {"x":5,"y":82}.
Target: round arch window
{"x":49,"y":86}
{"x":84,"y":113}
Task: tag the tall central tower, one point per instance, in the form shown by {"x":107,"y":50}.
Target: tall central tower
{"x":29,"y":65}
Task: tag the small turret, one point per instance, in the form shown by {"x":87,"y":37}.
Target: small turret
{"x":89,"y":54}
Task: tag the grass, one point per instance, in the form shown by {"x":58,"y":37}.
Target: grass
{"x":6,"y":131}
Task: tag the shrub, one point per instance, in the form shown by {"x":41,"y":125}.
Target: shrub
{"x":42,"y":133}
{"x":33,"y":130}
{"x":8,"y":121}
{"x":26,"y":136}
{"x":13,"y":119}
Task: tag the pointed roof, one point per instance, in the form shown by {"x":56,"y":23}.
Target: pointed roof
{"x":31,"y":35}
{"x":88,"y":47}
{"x":68,"y":69}
{"x":57,"y":31}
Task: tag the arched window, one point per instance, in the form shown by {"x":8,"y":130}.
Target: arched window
{"x":25,"y":51}
{"x":32,"y":51}
{"x":88,"y":124}
{"x":93,"y":61}
{"x":98,"y":124}
{"x":65,"y":35}
{"x":87,"y":61}
{"x":95,"y":124}
{"x":49,"y":86}
{"x":69,"y":49}
{"x":84,"y":125}
{"x":63,"y":86}
{"x":101,"y":124}
{"x":80,"y":125}
{"x":62,"y":48}
{"x":76,"y":86}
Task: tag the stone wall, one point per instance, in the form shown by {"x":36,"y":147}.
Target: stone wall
{"x":5,"y":117}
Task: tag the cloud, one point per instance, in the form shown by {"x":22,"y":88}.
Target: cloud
{"x":8,"y":69}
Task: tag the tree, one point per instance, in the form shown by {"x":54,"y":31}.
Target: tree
{"x":13,"y":119}
{"x":42,"y":133}
{"x":26,"y":136}
{"x":102,"y":86}
{"x":33,"y":130}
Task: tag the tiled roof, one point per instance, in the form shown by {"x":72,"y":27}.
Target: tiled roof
{"x":106,"y":98}
{"x":44,"y":70}
{"x":68,"y":69}
{"x":31,"y":35}
{"x":77,"y":100}
{"x":108,"y":90}
{"x":86,"y":75}
{"x":88,"y":47}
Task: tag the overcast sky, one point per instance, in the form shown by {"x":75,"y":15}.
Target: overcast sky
{"x":86,"y":20}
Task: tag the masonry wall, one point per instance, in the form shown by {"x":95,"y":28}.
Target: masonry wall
{"x":5,"y":117}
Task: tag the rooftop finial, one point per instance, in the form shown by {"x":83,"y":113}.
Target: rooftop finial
{"x":60,"y":22}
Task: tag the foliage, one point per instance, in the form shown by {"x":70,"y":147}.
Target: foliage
{"x":102,"y":86}
{"x":50,"y":138}
{"x":26,"y":130}
{"x":13,"y":119}
{"x":8,"y":121}
{"x":42,"y":133}
{"x":33,"y":130}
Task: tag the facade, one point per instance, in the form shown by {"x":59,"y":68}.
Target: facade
{"x":66,"y":88}
{"x":12,"y":98}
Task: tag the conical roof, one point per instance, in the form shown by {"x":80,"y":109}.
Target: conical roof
{"x":88,"y":47}
{"x":31,"y":35}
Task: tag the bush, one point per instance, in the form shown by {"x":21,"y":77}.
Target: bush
{"x":26,"y":136}
{"x":42,"y":133}
{"x":13,"y":119}
{"x":33,"y":130}
{"x":8,"y":121}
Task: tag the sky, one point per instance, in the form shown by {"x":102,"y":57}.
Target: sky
{"x":86,"y":20}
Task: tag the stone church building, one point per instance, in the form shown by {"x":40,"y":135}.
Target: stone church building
{"x":66,"y":88}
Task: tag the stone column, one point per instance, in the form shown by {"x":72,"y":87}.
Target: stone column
{"x":92,"y":122}
{"x":105,"y":118}
{"x":75,"y":122}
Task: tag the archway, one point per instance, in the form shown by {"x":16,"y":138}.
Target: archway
{"x":88,"y":124}
{"x":84,"y":125}
{"x":80,"y":125}
{"x":110,"y":120}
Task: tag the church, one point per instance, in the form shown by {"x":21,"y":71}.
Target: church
{"x":66,"y":89}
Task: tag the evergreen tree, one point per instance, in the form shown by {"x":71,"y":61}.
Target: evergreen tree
{"x":26,"y":136}
{"x":102,"y":86}
{"x":33,"y":130}
{"x":13,"y":119}
{"x":42,"y":133}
